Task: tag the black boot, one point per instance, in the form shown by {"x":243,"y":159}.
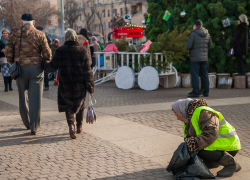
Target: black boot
{"x":10,"y":84}
{"x":6,"y":82}
{"x":230,"y":166}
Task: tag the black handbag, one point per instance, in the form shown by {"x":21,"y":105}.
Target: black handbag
{"x":15,"y":70}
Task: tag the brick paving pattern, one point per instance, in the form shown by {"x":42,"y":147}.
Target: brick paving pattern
{"x":7,"y":109}
{"x":237,"y":115}
{"x":53,"y":155}
{"x":108,"y":95}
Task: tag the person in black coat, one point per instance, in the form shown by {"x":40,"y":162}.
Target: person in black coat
{"x":240,"y":43}
{"x":76,"y":77}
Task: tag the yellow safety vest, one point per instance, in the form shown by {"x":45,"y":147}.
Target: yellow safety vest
{"x":227,"y":139}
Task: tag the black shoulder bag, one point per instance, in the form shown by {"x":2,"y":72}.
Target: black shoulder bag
{"x":15,"y":70}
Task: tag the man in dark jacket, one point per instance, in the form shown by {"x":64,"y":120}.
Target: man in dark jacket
{"x":198,"y":44}
{"x":46,"y":74}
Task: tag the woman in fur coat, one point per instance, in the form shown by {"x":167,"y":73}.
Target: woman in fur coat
{"x":240,"y":43}
{"x":76,"y":77}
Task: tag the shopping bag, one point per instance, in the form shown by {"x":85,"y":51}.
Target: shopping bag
{"x":3,"y":60}
{"x":91,"y":115}
{"x":231,"y":52}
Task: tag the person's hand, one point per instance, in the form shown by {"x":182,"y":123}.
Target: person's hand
{"x":3,"y":50}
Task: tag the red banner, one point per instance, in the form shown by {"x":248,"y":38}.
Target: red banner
{"x":129,"y":32}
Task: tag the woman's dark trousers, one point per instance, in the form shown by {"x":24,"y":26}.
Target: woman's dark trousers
{"x":79,"y":118}
{"x":8,"y":83}
{"x":240,"y":62}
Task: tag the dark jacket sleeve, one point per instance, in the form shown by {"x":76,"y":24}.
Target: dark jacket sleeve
{"x":190,"y":42}
{"x":209,"y":124}
{"x":51,"y":66}
{"x":210,"y":43}
{"x":89,"y":77}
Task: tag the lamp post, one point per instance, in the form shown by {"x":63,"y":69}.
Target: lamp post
{"x":62,"y":17}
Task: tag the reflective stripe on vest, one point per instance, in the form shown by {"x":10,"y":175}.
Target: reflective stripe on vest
{"x":227,"y":139}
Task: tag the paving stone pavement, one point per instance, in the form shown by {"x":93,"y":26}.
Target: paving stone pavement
{"x":108,"y":95}
{"x":53,"y":155}
{"x":237,"y":115}
{"x":7,"y":109}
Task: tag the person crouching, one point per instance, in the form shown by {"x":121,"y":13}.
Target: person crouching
{"x":208,"y":135}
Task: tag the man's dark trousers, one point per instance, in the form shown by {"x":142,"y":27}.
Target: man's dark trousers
{"x":200,"y":68}
{"x":46,"y":79}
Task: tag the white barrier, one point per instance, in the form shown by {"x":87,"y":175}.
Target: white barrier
{"x":167,"y":79}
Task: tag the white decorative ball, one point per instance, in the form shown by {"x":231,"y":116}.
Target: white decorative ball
{"x":183,"y":13}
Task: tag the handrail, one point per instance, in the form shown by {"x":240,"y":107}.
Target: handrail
{"x":113,"y":57}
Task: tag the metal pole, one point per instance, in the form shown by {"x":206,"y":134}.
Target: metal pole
{"x":62,"y":17}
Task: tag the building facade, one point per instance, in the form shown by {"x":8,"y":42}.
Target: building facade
{"x":96,"y":16}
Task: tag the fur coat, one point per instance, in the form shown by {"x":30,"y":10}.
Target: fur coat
{"x":76,"y":76}
{"x":240,"y":40}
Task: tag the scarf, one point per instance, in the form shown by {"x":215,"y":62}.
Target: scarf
{"x":4,"y":40}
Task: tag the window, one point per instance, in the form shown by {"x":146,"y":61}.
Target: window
{"x":108,"y":13}
{"x":121,"y":11}
{"x":93,"y":3}
{"x":107,"y":1}
{"x":98,"y":3}
{"x":80,"y":6}
{"x":139,"y":8}
{"x":87,"y":4}
{"x":109,"y":25}
{"x":95,"y":28}
{"x":98,"y":14}
{"x":80,"y":17}
{"x":126,"y":10}
{"x":99,"y":27}
{"x":114,"y":1}
{"x":83,"y":5}
{"x":115,"y":11}
{"x":104,"y":25}
{"x":94,"y":15}
{"x":88,"y":15}
{"x":103,"y":2}
{"x":103,"y":13}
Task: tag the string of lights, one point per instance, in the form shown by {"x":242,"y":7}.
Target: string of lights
{"x":131,"y":25}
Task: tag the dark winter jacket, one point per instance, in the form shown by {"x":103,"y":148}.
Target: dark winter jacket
{"x":2,"y":46}
{"x":240,"y":40}
{"x":53,"y":49}
{"x":198,"y":44}
{"x":76,"y":75}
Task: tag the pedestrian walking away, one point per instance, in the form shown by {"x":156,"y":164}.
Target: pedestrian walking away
{"x":240,"y":43}
{"x":208,"y":135}
{"x":34,"y":47}
{"x":198,"y":44}
{"x":54,"y":46}
{"x":46,"y":74}
{"x":84,"y":41}
{"x":96,"y":47}
{"x":76,"y":77}
{"x":5,"y":67}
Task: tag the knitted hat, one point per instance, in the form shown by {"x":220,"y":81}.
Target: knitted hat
{"x":39,"y":28}
{"x":198,"y":22}
{"x":93,"y":38}
{"x":70,"y":35}
{"x":6,"y":30}
{"x":243,"y":19}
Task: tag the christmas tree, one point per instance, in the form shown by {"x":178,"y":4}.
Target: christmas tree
{"x":213,"y":13}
